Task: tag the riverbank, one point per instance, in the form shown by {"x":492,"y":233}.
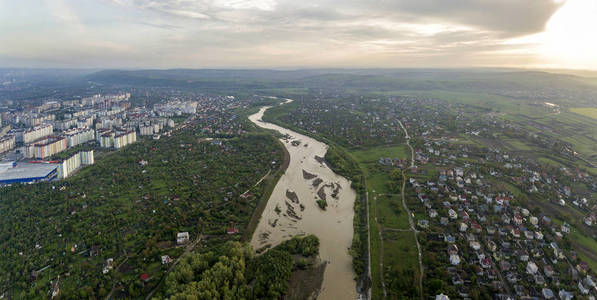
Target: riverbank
{"x":270,"y":183}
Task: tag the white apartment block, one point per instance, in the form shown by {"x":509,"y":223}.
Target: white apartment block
{"x":68,"y":166}
{"x":106,"y":138}
{"x":146,"y":130}
{"x":34,"y":120}
{"x":49,"y":147}
{"x":7,"y":143}
{"x":79,"y":136}
{"x":36,"y":133}
{"x":85,"y":122}
{"x":65,"y":124}
{"x":124,"y":139}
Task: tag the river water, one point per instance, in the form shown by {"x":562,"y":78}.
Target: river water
{"x":292,"y":210}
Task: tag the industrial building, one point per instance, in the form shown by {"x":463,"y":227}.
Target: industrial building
{"x":12,"y":172}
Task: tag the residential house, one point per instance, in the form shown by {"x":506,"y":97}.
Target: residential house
{"x":182,"y":238}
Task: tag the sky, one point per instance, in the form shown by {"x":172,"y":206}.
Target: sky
{"x":298,"y":33}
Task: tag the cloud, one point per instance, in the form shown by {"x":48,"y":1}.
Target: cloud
{"x":509,"y":17}
{"x":63,"y":13}
{"x":506,"y":18}
{"x":270,"y":33}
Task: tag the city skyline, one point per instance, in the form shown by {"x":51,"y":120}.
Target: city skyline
{"x":289,"y":34}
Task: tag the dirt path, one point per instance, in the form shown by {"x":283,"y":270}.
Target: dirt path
{"x":408,"y":212}
{"x":258,"y":182}
{"x":414,"y":230}
{"x":380,"y":232}
{"x":368,"y":244}
{"x":412,"y":152}
{"x":411,"y":222}
{"x":115,"y":271}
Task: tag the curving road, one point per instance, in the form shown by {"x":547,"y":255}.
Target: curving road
{"x":408,"y":212}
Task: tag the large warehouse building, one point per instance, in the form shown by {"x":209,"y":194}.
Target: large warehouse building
{"x":27,"y":172}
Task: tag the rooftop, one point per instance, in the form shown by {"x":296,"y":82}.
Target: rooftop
{"x":26,"y":171}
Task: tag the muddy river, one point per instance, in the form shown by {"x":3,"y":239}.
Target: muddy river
{"x":293,"y":210}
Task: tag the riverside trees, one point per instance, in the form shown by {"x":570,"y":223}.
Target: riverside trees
{"x":231,"y":272}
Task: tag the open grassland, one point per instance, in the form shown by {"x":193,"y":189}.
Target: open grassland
{"x":371,"y":155}
{"x":399,"y":249}
{"x":590,"y":112}
{"x":376,"y":288}
{"x":517,"y":144}
{"x":390,"y":212}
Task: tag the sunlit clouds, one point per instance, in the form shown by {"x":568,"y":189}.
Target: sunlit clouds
{"x":308,"y":33}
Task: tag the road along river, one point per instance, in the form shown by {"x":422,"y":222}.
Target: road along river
{"x":292,"y":209}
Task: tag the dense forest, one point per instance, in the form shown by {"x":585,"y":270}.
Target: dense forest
{"x":129,"y":207}
{"x":231,"y":272}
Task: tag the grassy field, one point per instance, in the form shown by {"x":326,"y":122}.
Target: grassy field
{"x":371,"y":155}
{"x":517,"y":145}
{"x":590,"y":112}
{"x":549,"y":162}
{"x":391,"y":213}
{"x":399,"y":248}
{"x":376,"y":291}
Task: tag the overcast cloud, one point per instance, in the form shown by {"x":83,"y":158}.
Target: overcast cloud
{"x":269,"y":33}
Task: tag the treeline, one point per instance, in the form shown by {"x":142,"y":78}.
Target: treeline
{"x":230,"y":271}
